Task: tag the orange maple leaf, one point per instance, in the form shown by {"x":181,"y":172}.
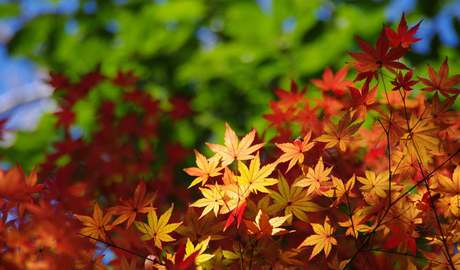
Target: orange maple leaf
{"x":322,"y":240}
{"x":18,"y":188}
{"x":335,"y":83}
{"x":340,"y":134}
{"x":441,"y":81}
{"x":294,"y":152}
{"x":316,"y":178}
{"x":205,"y":169}
{"x":97,"y":225}
{"x":403,"y":36}
{"x":140,"y":203}
{"x":233,"y":149}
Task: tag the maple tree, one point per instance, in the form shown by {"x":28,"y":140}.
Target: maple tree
{"x":368,"y":180}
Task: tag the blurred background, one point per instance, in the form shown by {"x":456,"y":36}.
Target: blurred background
{"x":223,"y":59}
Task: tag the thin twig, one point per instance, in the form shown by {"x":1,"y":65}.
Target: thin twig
{"x":118,"y":247}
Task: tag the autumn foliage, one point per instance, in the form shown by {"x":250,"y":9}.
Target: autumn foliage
{"x":372,"y":180}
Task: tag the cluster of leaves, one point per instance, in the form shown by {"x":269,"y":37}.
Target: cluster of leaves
{"x":88,"y":162}
{"x":373,"y":180}
{"x":123,"y":148}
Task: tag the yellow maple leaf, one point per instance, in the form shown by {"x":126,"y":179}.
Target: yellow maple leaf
{"x":158,"y":229}
{"x":421,"y":139}
{"x":342,"y":133}
{"x":205,"y":169}
{"x":234,"y":149}
{"x":199,"y":249}
{"x":322,"y":240}
{"x":375,"y":185}
{"x":356,"y":224}
{"x":294,"y":152}
{"x":454,"y":205}
{"x":315,"y":177}
{"x":257,"y":177}
{"x":212,"y":201}
{"x":97,"y":225}
{"x":450,"y":185}
{"x":339,"y":190}
{"x":293,"y":200}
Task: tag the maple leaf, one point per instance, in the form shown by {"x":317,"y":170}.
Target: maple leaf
{"x":180,"y":261}
{"x":368,"y":62}
{"x":97,"y":225}
{"x":264,"y":226}
{"x":212,"y":201}
{"x":128,"y":210}
{"x":403,"y":82}
{"x":403,"y":37}
{"x":451,"y":185}
{"x":235,"y":192}
{"x":205,"y":169}
{"x":420,"y":139}
{"x":293,"y":200}
{"x":237,"y":214}
{"x":356,"y":224}
{"x":198,"y":250}
{"x":18,"y":188}
{"x":335,"y":83}
{"x":454,"y":205}
{"x":340,"y":134}
{"x":257,"y":177}
{"x":322,"y":240}
{"x":441,"y":81}
{"x":234,"y":149}
{"x":339,"y":190}
{"x":364,"y":99}
{"x":400,"y":237}
{"x":375,"y":184}
{"x":440,"y":111}
{"x":315,"y":177}
{"x":158,"y":229}
{"x":294,"y":152}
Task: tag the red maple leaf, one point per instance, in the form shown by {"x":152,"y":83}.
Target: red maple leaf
{"x":236,"y":213}
{"x":399,"y":237}
{"x":181,"y":262}
{"x":403,"y":82}
{"x":441,"y":81}
{"x":363,"y":99}
{"x":371,"y":60}
{"x":335,"y":83}
{"x":402,"y":37}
